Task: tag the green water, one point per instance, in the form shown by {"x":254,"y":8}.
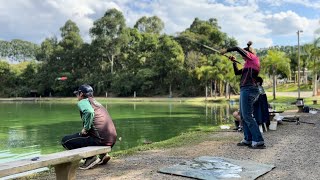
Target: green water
{"x":29,"y":129}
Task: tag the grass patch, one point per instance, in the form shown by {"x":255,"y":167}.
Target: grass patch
{"x":290,"y":87}
{"x":193,"y":136}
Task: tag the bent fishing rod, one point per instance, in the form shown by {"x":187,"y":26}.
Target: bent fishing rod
{"x":212,"y":49}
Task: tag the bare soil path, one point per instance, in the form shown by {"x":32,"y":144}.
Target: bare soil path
{"x":293,"y":149}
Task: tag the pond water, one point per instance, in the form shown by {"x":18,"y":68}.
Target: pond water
{"x":29,"y":129}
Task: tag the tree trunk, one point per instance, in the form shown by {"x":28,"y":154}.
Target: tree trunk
{"x":274,"y":82}
{"x":206,"y":91}
{"x":170,"y":91}
{"x":220,"y":88}
{"x":227,"y":90}
{"x":315,"y":85}
{"x":215,"y":89}
{"x":304,"y":75}
{"x":211,"y":86}
{"x":111,"y":61}
{"x":314,"y":90}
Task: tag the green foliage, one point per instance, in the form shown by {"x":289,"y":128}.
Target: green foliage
{"x":18,"y":50}
{"x":123,"y":60}
{"x":149,"y":24}
{"x":276,"y":60}
{"x":71,"y":38}
{"x":109,"y":36}
{"x":291,"y":87}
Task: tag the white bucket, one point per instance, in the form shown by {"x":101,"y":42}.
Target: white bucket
{"x":273,"y":125}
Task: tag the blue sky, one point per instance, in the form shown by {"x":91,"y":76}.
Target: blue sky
{"x":265,"y":22}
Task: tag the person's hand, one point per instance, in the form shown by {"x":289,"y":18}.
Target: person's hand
{"x":232,"y":58}
{"x":83,"y":131}
{"x":223,"y":51}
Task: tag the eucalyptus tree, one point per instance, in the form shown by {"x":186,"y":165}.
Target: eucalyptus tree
{"x":47,"y":49}
{"x":315,"y":55}
{"x":168,"y":61}
{"x":108,"y":36}
{"x":70,"y":34}
{"x":275,"y":62}
{"x":71,"y":42}
{"x":7,"y":79}
{"x":306,"y":57}
{"x":147,"y":74}
{"x":28,"y":79}
{"x":18,"y":50}
{"x":149,"y":24}
{"x":129,"y":78}
{"x":208,"y":33}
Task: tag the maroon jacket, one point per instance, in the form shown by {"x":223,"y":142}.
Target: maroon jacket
{"x":104,"y":128}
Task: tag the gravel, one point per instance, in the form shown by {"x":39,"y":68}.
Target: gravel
{"x":292,"y":149}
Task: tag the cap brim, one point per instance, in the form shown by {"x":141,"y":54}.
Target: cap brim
{"x":75,"y":92}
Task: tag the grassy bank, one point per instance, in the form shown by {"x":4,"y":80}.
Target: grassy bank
{"x":290,"y":87}
{"x":193,"y":136}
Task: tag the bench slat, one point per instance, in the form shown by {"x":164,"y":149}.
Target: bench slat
{"x":23,"y":165}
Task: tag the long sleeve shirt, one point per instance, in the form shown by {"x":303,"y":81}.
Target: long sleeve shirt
{"x":251,"y":68}
{"x":86,"y":113}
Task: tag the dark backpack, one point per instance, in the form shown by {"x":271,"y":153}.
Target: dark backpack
{"x":306,"y":109}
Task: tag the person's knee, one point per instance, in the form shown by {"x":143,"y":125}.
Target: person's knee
{"x":63,"y":140}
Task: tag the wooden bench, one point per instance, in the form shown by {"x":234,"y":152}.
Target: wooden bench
{"x":65,"y":163}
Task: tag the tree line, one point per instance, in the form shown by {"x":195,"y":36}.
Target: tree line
{"x":123,"y":61}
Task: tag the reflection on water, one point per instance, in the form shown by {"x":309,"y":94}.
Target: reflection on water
{"x":22,"y":153}
{"x":32,"y":129}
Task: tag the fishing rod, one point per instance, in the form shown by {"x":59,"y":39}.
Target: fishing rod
{"x":296,"y":120}
{"x":212,"y":49}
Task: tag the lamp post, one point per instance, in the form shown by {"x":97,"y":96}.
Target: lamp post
{"x":298,"y":32}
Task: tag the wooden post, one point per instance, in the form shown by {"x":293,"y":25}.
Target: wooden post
{"x":66,"y":171}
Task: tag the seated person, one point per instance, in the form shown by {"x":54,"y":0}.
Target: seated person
{"x":237,"y":120}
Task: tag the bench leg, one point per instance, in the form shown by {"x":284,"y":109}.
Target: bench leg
{"x":66,"y":171}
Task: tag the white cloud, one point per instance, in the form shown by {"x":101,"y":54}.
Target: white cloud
{"x":35,"y":20}
{"x":307,"y":3}
{"x":285,"y":23}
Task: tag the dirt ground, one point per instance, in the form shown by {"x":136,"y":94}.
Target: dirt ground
{"x":292,"y":149}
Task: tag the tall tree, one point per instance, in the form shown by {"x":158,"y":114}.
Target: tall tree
{"x":70,"y":35}
{"x":149,"y":24}
{"x":18,"y":50}
{"x":71,"y":43}
{"x":109,"y":36}
{"x":315,"y":55}
{"x":47,"y":49}
{"x":169,"y":60}
{"x":276,"y":62}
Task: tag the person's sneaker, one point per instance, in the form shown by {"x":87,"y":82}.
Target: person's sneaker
{"x":90,"y":162}
{"x":257,"y":146}
{"x":244,"y":143}
{"x":104,"y":158}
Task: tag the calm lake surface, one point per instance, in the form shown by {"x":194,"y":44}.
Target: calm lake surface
{"x":29,"y":129}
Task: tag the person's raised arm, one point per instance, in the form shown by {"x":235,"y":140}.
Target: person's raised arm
{"x":241,"y":51}
{"x":235,"y":67}
{"x":236,"y":70}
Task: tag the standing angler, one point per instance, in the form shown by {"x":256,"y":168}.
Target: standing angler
{"x":97,"y":130}
{"x":249,"y":91}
